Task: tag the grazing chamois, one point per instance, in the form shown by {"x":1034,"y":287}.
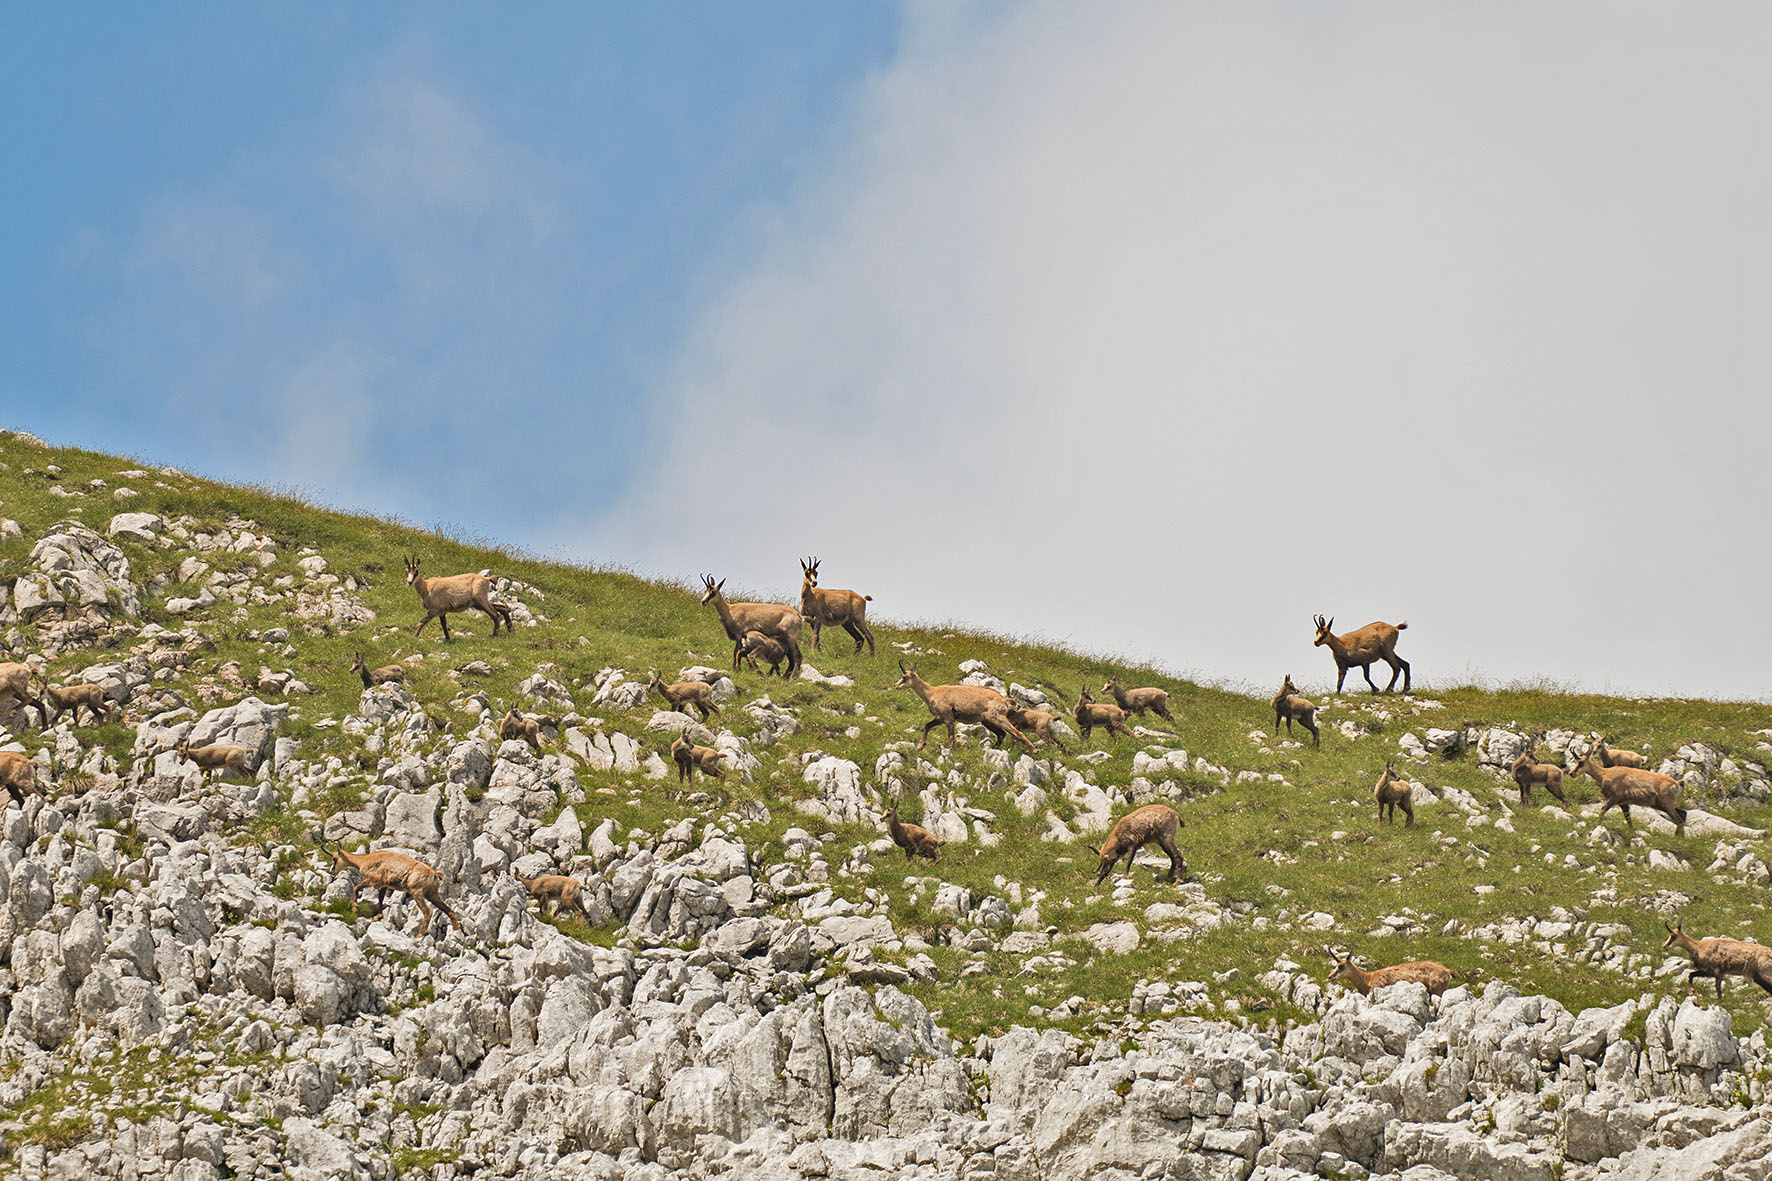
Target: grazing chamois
{"x":1718,"y":957}
{"x":682,"y":695}
{"x":1621,"y":787}
{"x":843,"y":607}
{"x":1617,"y":756}
{"x":1392,"y":791}
{"x":757,"y":644}
{"x":779,"y":623}
{"x":1528,"y":770}
{"x":75,"y":698}
{"x":1151,"y":824}
{"x":552,"y":888}
{"x":1437,"y":977}
{"x":522,"y":728}
{"x":18,"y":775}
{"x":216,"y":756}
{"x":915,"y":840}
{"x":15,"y":683}
{"x":1137,"y":701}
{"x":1289,"y":705}
{"x":388,"y":870}
{"x":1375,"y":641}
{"x":386,"y":674}
{"x":1027,"y":718}
{"x":691,"y":758}
{"x":951,"y":704}
{"x":1091,"y":713}
{"x":459,"y":592}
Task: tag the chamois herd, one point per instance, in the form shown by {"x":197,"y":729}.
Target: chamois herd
{"x":771,"y":632}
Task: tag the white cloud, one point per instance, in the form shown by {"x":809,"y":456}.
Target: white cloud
{"x":1158,"y":328}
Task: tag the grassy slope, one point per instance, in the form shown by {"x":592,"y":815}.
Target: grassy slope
{"x":600,"y":617}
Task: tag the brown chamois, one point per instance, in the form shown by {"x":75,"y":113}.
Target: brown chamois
{"x":1392,"y":791}
{"x":216,"y":757}
{"x":914,"y":839}
{"x":1151,"y":824}
{"x":1437,"y":977}
{"x":691,"y":758}
{"x":522,"y":728}
{"x":1091,"y":713}
{"x":1617,"y":757}
{"x":950,"y":704}
{"x":459,"y":592}
{"x":1621,"y":787}
{"x":1527,"y":770}
{"x":1027,"y":718}
{"x":91,"y":698}
{"x":15,"y":683}
{"x":844,"y":607}
{"x":684,"y":694}
{"x":388,"y":870}
{"x":1137,"y":701}
{"x":1289,"y":705}
{"x":18,"y":775}
{"x":1375,"y":641}
{"x":386,"y":674}
{"x":552,"y":888}
{"x":779,"y":623}
{"x":757,"y":644}
{"x":1718,"y":957}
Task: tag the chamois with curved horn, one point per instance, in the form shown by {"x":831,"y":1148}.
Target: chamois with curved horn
{"x":843,"y":607}
{"x":459,"y":592}
{"x":1621,"y":787}
{"x":1375,"y":641}
{"x":914,"y":839}
{"x":1137,"y":701}
{"x":1527,"y":770}
{"x":779,"y":623}
{"x":1392,"y":791}
{"x":1091,"y":713}
{"x":1153,"y":824}
{"x":387,"y":870}
{"x":1437,"y":977}
{"x":1718,"y":957}
{"x":977,"y":705}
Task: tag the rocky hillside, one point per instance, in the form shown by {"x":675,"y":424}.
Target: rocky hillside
{"x":760,"y":984}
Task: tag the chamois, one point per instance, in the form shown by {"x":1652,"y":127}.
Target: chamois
{"x":1617,"y":757}
{"x":1151,"y":824}
{"x":684,"y":694}
{"x":757,"y":644}
{"x":394,"y":673}
{"x":1137,"y":701}
{"x":18,"y":775}
{"x":1392,"y":791}
{"x":951,"y":704}
{"x":15,"y":682}
{"x":459,"y":592}
{"x":1039,"y":721}
{"x":1375,"y":641}
{"x":845,"y":607}
{"x":74,"y":698}
{"x":388,"y":870}
{"x":915,"y":840}
{"x":690,"y":758}
{"x":779,"y":623}
{"x":1528,"y":770}
{"x":552,"y":888}
{"x":521,"y":727}
{"x":216,"y":757}
{"x":1289,"y":705}
{"x":1718,"y":957}
{"x":1091,"y":713}
{"x":1437,"y":977}
{"x":1621,"y":787}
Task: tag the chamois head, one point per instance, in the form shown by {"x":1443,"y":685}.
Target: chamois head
{"x":1084,"y":697}
{"x":1346,"y":971}
{"x":809,"y":570}
{"x":1287,"y":688}
{"x":713,"y":588}
{"x":1587,"y":756}
{"x":904,"y":681}
{"x":1674,"y":933}
{"x":1324,"y":630}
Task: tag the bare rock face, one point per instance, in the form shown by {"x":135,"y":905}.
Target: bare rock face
{"x":78,"y":572}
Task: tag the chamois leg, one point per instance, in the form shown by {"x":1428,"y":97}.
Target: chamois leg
{"x":868,"y":633}
{"x":1025,"y":740}
{"x":1316,"y":734}
{"x":791,"y":644}
{"x":1408,"y":813}
{"x":1163,"y":712}
{"x":817,"y":634}
{"x":933,"y":723}
{"x":1719,"y":986}
{"x":1366,"y":671}
{"x":1177,"y":864}
{"x":1340,"y":676}
{"x":443,"y":622}
{"x":1405,"y":665}
{"x":421,"y":623}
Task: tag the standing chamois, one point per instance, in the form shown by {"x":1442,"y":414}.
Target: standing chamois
{"x":1718,"y":957}
{"x":568,"y":892}
{"x":388,"y":870}
{"x":951,"y":704}
{"x":217,"y":756}
{"x":1621,"y":787}
{"x":1039,"y":721}
{"x":1375,"y":641}
{"x":757,"y":644}
{"x":1527,"y":770}
{"x":386,"y":674}
{"x":91,"y":698}
{"x":1091,"y":713}
{"x":684,"y":694}
{"x":18,"y":776}
{"x":1137,"y":701}
{"x":1437,"y":977}
{"x":843,"y":607}
{"x":1392,"y":791}
{"x":1151,"y":824}
{"x":1289,"y":705}
{"x":459,"y":592}
{"x":779,"y":623}
{"x":915,"y":840}
{"x":522,"y":728}
{"x":691,"y":758}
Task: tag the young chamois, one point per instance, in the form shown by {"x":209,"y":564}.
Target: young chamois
{"x":1151,"y":824}
{"x":1091,"y":713}
{"x":757,"y":644}
{"x":1137,"y":701}
{"x":1617,"y":756}
{"x":15,"y":684}
{"x":691,"y":758}
{"x":386,"y":674}
{"x":779,"y":623}
{"x":91,"y":698}
{"x":216,"y":756}
{"x":388,"y":870}
{"x":1289,"y":705}
{"x":915,"y":840}
{"x":1027,"y":718}
{"x":553,"y":888}
{"x":1718,"y":957}
{"x":521,"y":727}
{"x":951,"y":704}
{"x":843,"y":607}
{"x":1392,"y":791}
{"x":1375,"y":641}
{"x":682,"y":695}
{"x":18,"y":776}
{"x":1437,"y":977}
{"x":1621,"y":787}
{"x":459,"y":592}
{"x":1528,"y":770}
